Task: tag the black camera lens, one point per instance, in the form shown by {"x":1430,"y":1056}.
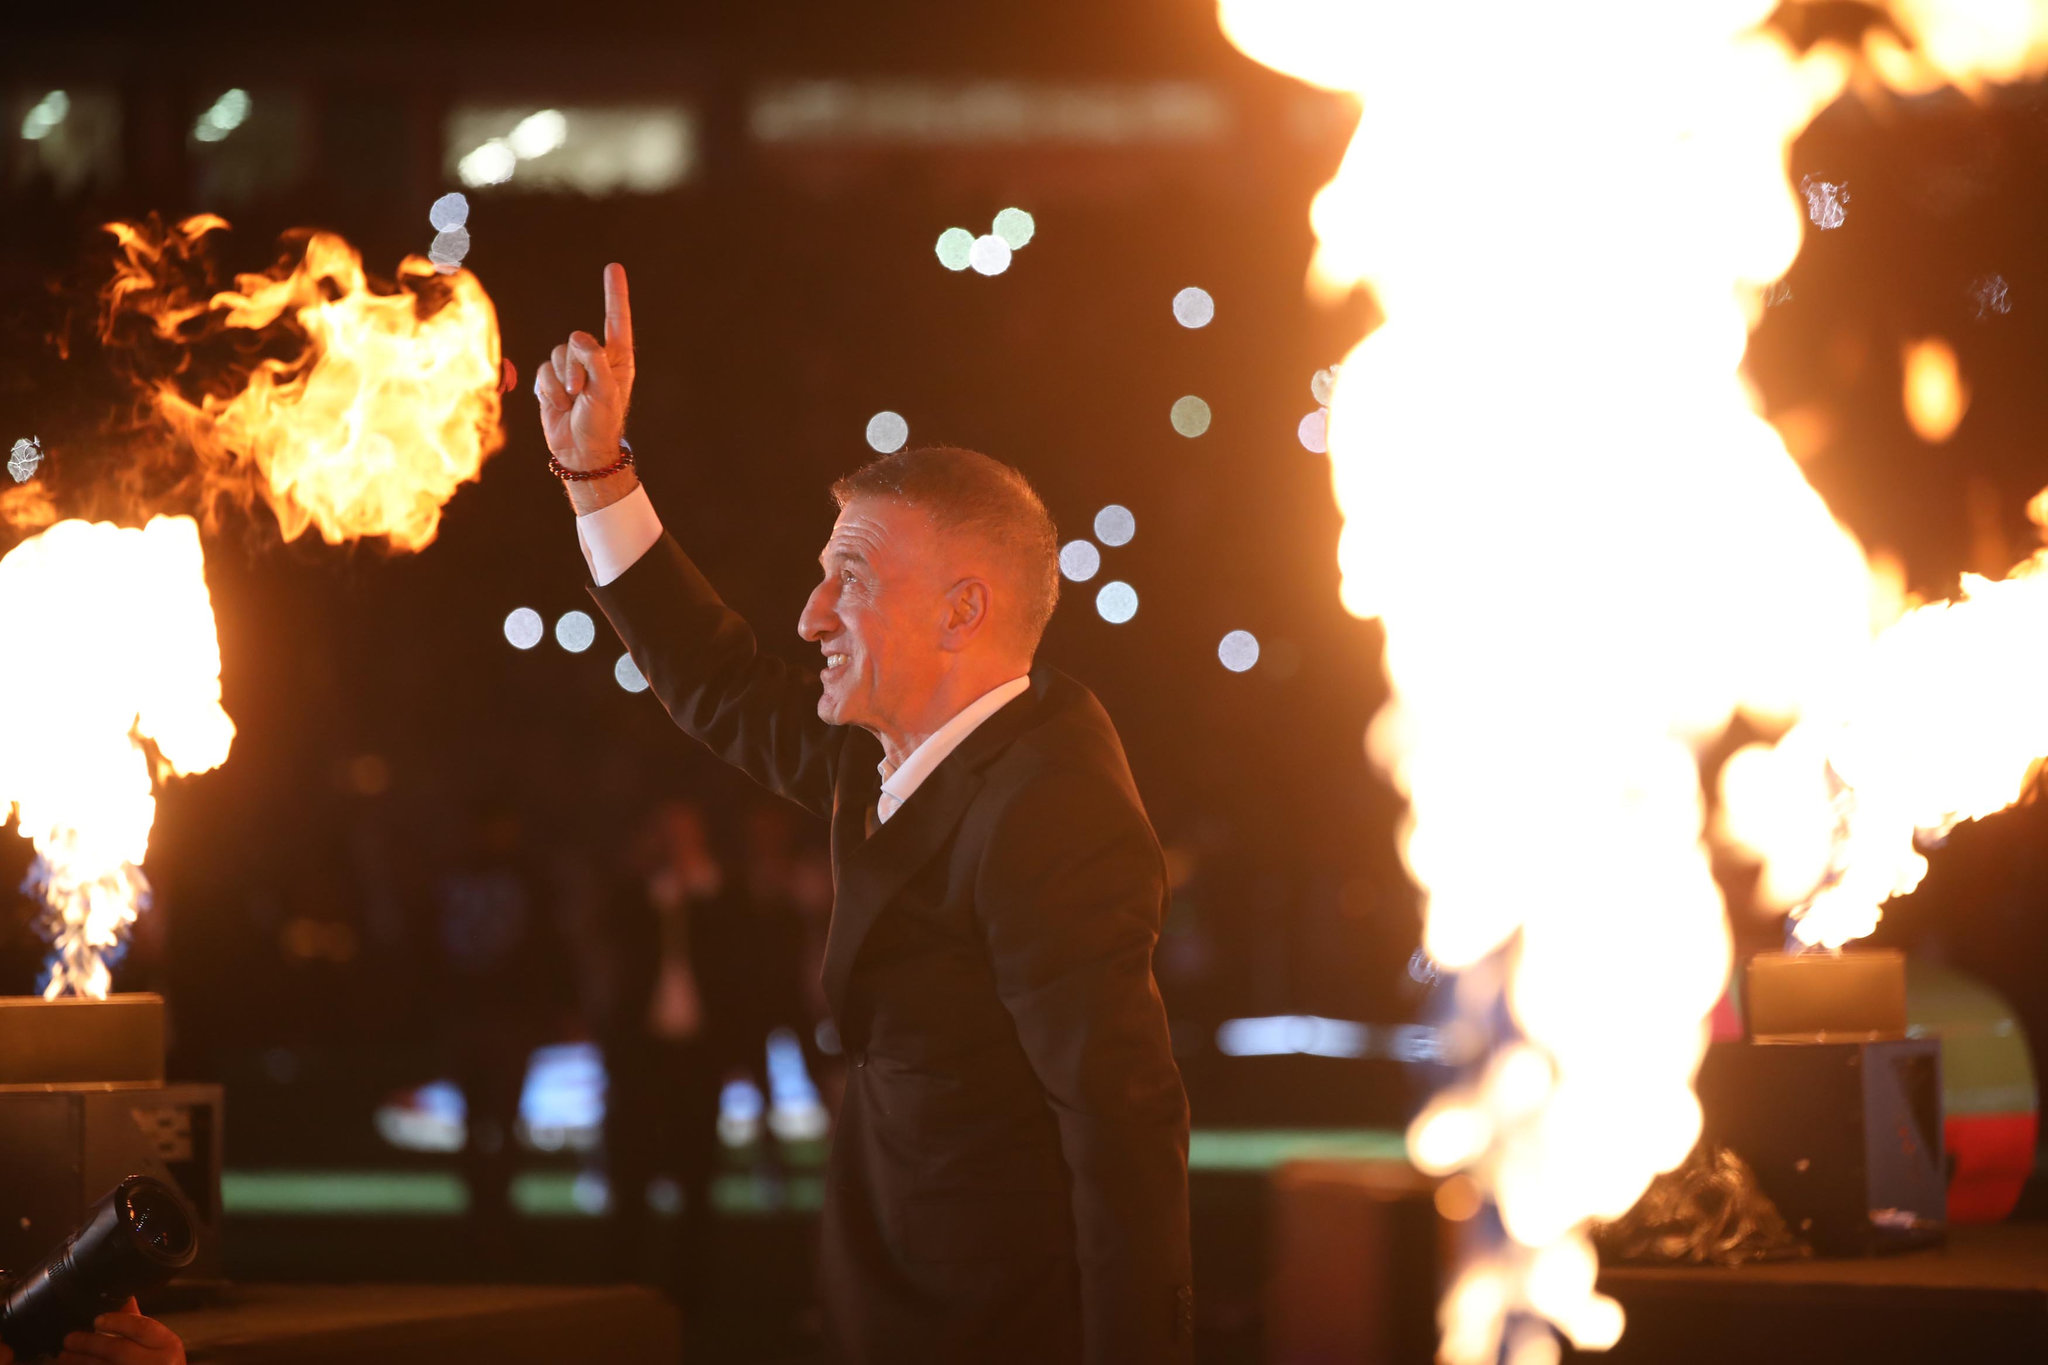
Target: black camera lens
{"x":133,"y":1240}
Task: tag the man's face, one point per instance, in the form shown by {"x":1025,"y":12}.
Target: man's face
{"x":878,"y":614}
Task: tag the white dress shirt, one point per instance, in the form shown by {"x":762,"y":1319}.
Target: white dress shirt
{"x":613,"y":538}
{"x":899,"y":783}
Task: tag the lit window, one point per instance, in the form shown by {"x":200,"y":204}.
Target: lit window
{"x":246,"y":145}
{"x":608,"y":149}
{"x":70,"y":138}
{"x":988,"y":112}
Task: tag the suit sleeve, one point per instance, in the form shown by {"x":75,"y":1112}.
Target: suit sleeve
{"x":702,"y":660}
{"x":1070,"y":894}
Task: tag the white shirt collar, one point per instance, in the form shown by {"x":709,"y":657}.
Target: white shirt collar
{"x":899,"y":785}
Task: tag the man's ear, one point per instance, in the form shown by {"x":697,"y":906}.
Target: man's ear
{"x":967,"y":607}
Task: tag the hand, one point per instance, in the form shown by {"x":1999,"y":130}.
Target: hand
{"x":124,"y":1338}
{"x":585,"y":388}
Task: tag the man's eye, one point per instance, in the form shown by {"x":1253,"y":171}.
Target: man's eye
{"x":847,"y":576}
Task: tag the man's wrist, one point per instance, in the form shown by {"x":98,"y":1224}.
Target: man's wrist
{"x":589,"y":495}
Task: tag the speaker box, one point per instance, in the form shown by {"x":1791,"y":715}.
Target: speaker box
{"x":64,"y":1146}
{"x":1846,"y":1138}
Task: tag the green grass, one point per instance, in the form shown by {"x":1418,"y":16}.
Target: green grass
{"x":550,"y":1193}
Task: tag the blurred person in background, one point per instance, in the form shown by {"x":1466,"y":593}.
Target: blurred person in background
{"x":1008,"y":1177}
{"x":661,"y":1097}
{"x":503,"y":991}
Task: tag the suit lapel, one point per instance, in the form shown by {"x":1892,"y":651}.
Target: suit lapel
{"x":870,"y":872}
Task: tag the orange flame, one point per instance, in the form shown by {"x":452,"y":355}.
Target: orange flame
{"x":1587,"y":548}
{"x":360,"y":412}
{"x":1935,"y":396}
{"x":122,"y":691}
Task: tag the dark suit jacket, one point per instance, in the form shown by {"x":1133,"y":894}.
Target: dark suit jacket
{"x":1008,"y":1179}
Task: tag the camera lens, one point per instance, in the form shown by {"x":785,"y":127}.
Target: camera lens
{"x":158,"y":1221}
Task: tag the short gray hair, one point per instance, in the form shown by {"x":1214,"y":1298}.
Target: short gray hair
{"x":965,"y":490}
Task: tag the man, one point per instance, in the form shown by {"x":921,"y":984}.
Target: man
{"x":1009,"y":1176}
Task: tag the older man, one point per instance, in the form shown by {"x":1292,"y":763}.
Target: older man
{"x":1009,"y":1176}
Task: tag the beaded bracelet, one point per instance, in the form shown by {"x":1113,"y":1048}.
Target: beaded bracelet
{"x":562,"y":471}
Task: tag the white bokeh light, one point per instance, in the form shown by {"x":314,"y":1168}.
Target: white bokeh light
{"x":627,"y":674}
{"x":1323,"y":383}
{"x":1117,"y":602}
{"x":449,"y":212}
{"x":575,"y":631}
{"x":990,"y":256}
{"x":956,"y":246}
{"x":523,"y":628}
{"x":1114,"y":525}
{"x":887,"y":431}
{"x":1239,"y":650}
{"x":1080,"y":560}
{"x":1016,"y":227}
{"x":1190,"y":416}
{"x":1314,"y":431}
{"x":1193,"y":307}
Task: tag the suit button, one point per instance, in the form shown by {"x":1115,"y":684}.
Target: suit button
{"x":860,"y":1057}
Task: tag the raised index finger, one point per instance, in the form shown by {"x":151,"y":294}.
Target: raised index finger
{"x":618,"y":314}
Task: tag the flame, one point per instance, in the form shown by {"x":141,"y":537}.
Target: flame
{"x":120,"y":689}
{"x":1590,"y":552}
{"x":1935,"y":396}
{"x":354,"y":412}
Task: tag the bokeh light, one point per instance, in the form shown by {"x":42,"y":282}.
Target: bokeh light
{"x":1314,"y":431}
{"x":990,"y":256}
{"x":1193,"y":307}
{"x":1114,"y":525}
{"x":1117,"y":602}
{"x":1239,"y":650}
{"x":1016,"y":227}
{"x":523,"y":628}
{"x":956,"y":245}
{"x":1190,"y":416}
{"x":1080,"y":560}
{"x":627,"y":674}
{"x":1322,"y":384}
{"x":887,"y":431}
{"x":575,"y":631}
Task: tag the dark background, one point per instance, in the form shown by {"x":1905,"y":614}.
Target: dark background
{"x":784,"y":295}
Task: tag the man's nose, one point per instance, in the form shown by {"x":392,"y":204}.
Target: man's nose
{"x":817,"y":620}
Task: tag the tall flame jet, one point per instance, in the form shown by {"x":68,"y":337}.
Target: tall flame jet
{"x":1588,"y":550}
{"x":117,"y":684}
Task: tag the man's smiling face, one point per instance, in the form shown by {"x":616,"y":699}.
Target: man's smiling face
{"x":878,"y":614}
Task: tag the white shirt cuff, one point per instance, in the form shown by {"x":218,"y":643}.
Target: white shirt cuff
{"x":613,"y":538}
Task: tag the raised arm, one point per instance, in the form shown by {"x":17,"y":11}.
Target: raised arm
{"x":698,"y":656}
{"x":1071,"y":893}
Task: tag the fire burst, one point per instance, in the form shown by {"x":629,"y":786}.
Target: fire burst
{"x":1590,"y":552}
{"x":359,"y":413}
{"x":349,"y":410}
{"x":126,"y":673}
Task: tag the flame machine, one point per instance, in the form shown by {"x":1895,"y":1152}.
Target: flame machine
{"x":1836,"y":1110}
{"x":84,"y":1107}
